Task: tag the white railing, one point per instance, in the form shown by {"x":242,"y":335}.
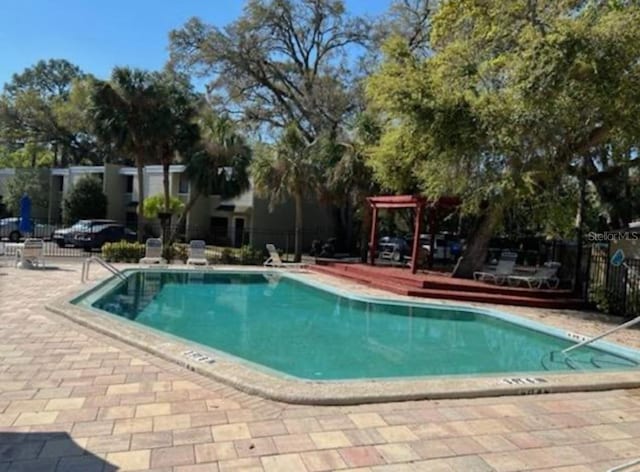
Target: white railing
{"x":84,"y":276}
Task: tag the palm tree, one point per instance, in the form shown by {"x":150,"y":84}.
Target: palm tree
{"x":125,"y":113}
{"x":176,"y":132}
{"x":350,"y":180}
{"x":218,"y":165}
{"x":287,"y":170}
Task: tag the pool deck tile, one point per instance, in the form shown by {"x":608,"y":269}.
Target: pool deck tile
{"x":72,"y":399}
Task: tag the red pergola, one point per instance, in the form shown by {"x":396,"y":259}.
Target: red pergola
{"x":408,"y":201}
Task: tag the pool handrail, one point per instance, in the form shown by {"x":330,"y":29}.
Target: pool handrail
{"x":628,"y":324}
{"x":84,"y":275}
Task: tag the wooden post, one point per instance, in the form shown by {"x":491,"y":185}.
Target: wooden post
{"x":374,"y":235}
{"x":432,"y":229}
{"x":416,"y":238}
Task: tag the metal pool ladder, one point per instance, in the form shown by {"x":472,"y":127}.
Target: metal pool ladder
{"x":84,"y":276}
{"x":629,"y":323}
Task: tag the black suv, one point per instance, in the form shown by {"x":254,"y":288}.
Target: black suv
{"x":66,"y":236}
{"x":96,"y":236}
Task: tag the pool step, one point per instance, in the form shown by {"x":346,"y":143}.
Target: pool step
{"x":398,"y":287}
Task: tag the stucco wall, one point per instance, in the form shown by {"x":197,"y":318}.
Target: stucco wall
{"x":114,"y":188}
{"x":153,"y":184}
{"x":198,"y":219}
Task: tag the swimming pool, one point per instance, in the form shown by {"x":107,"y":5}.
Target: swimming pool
{"x":283,"y":323}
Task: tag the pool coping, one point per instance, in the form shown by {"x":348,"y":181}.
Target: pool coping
{"x":266,"y":383}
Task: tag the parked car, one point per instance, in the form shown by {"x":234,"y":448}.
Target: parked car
{"x":65,"y":236}
{"x":96,"y":236}
{"x":393,"y":248}
{"x":10,"y":228}
{"x":447,"y":246}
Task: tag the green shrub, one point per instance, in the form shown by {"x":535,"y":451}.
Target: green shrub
{"x":123,"y":251}
{"x":598,"y":295}
{"x":227,"y":256}
{"x":180,"y":252}
{"x":250,"y":256}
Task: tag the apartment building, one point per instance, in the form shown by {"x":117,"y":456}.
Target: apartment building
{"x":245,"y":219}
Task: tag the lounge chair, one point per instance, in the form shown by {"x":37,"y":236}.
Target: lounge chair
{"x":274,"y":259}
{"x":153,"y":252}
{"x":544,"y":276}
{"x":31,"y":254}
{"x":197,"y":253}
{"x":503,"y":270}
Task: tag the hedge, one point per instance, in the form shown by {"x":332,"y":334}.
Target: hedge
{"x":123,"y":251}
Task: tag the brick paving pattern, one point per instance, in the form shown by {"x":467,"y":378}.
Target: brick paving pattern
{"x":74,"y":400}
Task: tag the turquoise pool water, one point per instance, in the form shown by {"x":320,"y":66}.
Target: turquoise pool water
{"x":307,"y":332}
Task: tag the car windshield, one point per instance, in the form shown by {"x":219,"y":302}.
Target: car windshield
{"x":102,"y":227}
{"x":80,"y":225}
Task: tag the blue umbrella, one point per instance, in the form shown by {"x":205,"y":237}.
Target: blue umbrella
{"x":25,"y":214}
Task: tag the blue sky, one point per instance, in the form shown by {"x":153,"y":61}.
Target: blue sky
{"x":98,"y":35}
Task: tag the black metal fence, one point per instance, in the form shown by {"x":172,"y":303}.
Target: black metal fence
{"x":613,"y":288}
{"x":219,"y":238}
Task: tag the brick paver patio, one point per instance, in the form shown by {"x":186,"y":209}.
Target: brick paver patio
{"x":74,"y":400}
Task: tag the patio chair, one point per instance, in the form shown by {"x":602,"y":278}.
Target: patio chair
{"x":31,"y":254}
{"x":197,"y":254}
{"x":274,"y":259}
{"x":503,"y":270}
{"x":153,"y":252}
{"x":546,"y":275}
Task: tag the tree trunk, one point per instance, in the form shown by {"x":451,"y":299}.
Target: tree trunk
{"x":167,"y":200}
{"x":478,"y":242}
{"x":140,"y":165}
{"x":365,"y":231}
{"x":298,"y":232}
{"x":183,"y":216}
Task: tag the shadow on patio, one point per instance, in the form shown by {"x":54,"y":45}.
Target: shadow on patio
{"x":51,"y":451}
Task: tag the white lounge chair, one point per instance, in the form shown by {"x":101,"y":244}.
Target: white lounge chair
{"x":546,"y":275}
{"x":274,"y":259}
{"x":197,"y":254}
{"x":153,"y":252}
{"x":503,"y":270}
{"x":31,"y":254}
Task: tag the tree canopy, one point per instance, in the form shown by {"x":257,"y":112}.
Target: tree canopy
{"x":86,"y":199}
{"x":282,"y":62}
{"x":46,"y":106}
{"x":513,"y":95}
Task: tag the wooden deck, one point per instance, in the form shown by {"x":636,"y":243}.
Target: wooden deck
{"x":441,"y":286}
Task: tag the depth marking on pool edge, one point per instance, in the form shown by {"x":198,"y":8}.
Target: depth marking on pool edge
{"x":198,"y":357}
{"x":576,"y":336}
{"x":524,"y":380}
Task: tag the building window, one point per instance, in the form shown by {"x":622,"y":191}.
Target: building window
{"x":129,"y":183}
{"x":183,"y":184}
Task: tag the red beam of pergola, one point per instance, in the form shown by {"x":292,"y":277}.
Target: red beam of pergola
{"x":408,"y":201}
